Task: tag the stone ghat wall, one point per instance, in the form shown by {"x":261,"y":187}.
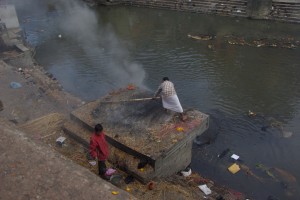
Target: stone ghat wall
{"x":282,"y":10}
{"x":288,"y":10}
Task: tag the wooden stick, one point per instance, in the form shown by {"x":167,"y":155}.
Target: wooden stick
{"x":131,"y":100}
{"x":42,"y":137}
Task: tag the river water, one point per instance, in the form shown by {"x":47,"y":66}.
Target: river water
{"x":94,"y":50}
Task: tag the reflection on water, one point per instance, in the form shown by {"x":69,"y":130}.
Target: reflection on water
{"x":106,"y":48}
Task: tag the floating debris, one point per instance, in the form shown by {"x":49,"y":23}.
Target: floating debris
{"x":201,"y":37}
{"x":287,"y":134}
{"x":270,"y":174}
{"x":279,"y":125}
{"x":234,"y":168}
{"x":266,"y":170}
{"x":249,"y":172}
{"x":275,"y":123}
{"x":235,"y":157}
{"x":221,"y":155}
{"x":272,"y":123}
{"x":286,"y":176}
{"x":251,"y":114}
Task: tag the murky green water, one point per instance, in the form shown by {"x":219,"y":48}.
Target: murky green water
{"x":106,"y":48}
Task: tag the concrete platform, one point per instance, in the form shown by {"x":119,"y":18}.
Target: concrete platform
{"x":141,"y":131}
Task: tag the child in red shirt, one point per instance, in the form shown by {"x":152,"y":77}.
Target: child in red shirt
{"x":99,"y":148}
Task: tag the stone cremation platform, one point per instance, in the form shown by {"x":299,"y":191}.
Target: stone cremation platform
{"x":145,"y":140}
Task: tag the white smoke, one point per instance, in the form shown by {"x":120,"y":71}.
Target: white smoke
{"x":82,"y":24}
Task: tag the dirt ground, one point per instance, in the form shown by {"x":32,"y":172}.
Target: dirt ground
{"x":175,"y":187}
{"x":40,"y":107}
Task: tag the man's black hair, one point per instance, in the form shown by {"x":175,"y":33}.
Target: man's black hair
{"x":98,"y":128}
{"x":165,"y":78}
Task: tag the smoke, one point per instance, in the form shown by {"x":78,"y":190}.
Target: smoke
{"x":102,"y":44}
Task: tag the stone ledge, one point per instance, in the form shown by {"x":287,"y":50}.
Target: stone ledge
{"x":40,"y":173}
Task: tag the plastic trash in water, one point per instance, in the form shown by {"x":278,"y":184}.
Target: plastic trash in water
{"x":205,"y":189}
{"x":251,"y":114}
{"x":15,"y":85}
{"x":235,"y":157}
{"x":287,"y":134}
{"x":221,"y":155}
{"x":234,"y":168}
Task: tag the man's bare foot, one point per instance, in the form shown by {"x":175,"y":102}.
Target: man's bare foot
{"x":183,"y":117}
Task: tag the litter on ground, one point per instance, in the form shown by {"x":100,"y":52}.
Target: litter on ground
{"x":60,"y":140}
{"x":15,"y":85}
{"x":205,"y":189}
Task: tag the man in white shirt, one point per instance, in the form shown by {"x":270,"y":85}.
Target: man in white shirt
{"x":169,"y":97}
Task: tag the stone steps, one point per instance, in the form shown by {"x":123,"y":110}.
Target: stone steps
{"x":281,"y":11}
{"x":285,"y":12}
{"x":220,"y":7}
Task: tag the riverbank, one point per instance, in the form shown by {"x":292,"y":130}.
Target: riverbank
{"x":39,"y":95}
{"x":29,"y":109}
{"x":37,"y":170}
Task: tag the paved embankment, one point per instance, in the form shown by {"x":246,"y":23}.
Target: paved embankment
{"x":30,"y":170}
